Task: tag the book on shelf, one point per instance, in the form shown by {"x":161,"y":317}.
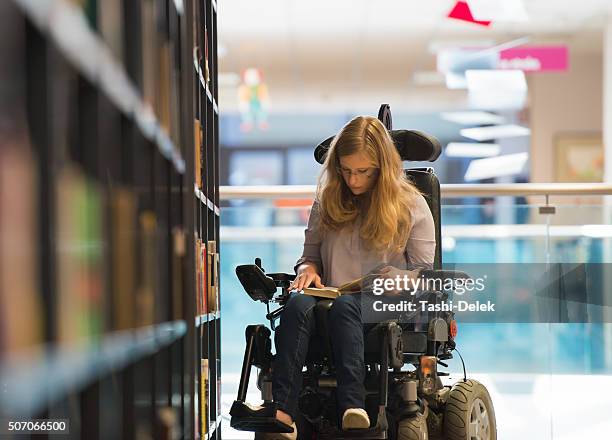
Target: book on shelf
{"x":145,"y":292}
{"x":199,"y":278}
{"x":168,"y":423}
{"x":90,"y":11}
{"x":204,"y":395}
{"x":164,"y":87}
{"x":149,"y":53}
{"x":196,"y":406}
{"x":123,"y":245}
{"x":194,"y":25}
{"x":20,"y":301}
{"x":206,"y":69}
{"x":178,"y":256}
{"x":213,"y":277}
{"x":106,"y":17}
{"x":204,"y":274}
{"x":334,"y":292}
{"x":217,"y":407}
{"x":79,"y":252}
{"x":111,"y":25}
{"x":197,"y":137}
{"x":174,"y":90}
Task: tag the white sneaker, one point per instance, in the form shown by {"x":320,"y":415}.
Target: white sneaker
{"x":277,"y":435}
{"x":355,"y":418}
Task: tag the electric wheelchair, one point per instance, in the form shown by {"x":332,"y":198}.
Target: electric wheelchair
{"x":405,"y":397}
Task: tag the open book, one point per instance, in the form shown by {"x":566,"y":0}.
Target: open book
{"x":334,"y":292}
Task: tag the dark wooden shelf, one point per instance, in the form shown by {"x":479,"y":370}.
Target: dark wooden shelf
{"x":33,"y":380}
{"x":110,"y":103}
{"x":213,"y":426}
{"x":206,"y":201}
{"x":203,"y":84}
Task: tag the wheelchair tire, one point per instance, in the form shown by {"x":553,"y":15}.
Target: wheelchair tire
{"x":413,"y":429}
{"x":469,"y":413}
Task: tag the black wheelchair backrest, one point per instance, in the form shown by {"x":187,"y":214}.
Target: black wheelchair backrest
{"x":412,"y":145}
{"x":428,"y":184}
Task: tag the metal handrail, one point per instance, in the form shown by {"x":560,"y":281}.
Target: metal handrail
{"x":449,"y":190}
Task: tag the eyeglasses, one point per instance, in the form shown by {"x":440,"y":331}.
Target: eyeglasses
{"x":362,"y":172}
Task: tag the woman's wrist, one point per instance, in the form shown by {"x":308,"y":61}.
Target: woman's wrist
{"x":306,"y":267}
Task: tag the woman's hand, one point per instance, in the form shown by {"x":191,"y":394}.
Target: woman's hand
{"x":306,"y":276}
{"x":402,"y":279}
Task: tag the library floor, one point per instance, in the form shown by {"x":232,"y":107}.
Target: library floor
{"x":535,"y":407}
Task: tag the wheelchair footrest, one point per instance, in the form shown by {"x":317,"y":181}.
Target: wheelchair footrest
{"x":262,"y":418}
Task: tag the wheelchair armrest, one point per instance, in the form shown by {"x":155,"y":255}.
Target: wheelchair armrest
{"x":282,"y":279}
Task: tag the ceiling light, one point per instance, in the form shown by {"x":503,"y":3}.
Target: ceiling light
{"x":495,"y":80}
{"x":495,"y":132}
{"x":472,"y":118}
{"x":467,"y":149}
{"x":498,"y":166}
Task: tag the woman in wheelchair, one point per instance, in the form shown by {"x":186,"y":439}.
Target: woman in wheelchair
{"x":366,"y":213}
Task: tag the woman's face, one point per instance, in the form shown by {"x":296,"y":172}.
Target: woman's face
{"x":358,"y":172}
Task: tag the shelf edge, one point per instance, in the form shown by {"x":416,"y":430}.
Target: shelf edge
{"x":26,"y":375}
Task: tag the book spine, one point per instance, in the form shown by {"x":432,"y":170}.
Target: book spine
{"x":20,"y":307}
{"x":204,"y":395}
{"x":145,"y":294}
{"x":123,"y":213}
{"x":178,"y":257}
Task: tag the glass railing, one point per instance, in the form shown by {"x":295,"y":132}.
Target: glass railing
{"x":534,"y":370}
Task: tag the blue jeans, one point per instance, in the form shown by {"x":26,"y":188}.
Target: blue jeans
{"x":297,"y":325}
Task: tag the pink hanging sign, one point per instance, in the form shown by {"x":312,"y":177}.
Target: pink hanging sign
{"x":535,"y":59}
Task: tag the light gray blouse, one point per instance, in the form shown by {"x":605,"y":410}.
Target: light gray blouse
{"x":341,"y":257}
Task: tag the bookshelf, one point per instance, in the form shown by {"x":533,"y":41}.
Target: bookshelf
{"x":109,"y":217}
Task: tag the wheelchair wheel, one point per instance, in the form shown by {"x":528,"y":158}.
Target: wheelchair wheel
{"x":469,"y":413}
{"x":413,"y":429}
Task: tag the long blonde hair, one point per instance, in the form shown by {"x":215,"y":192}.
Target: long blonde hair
{"x":386,"y":213}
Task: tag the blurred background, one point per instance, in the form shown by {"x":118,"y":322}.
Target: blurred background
{"x":518,"y":92}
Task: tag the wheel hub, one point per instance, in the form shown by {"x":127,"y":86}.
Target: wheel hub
{"x":480,"y":428}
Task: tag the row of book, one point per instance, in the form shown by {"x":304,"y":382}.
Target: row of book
{"x":160,"y":52}
{"x":207,"y":277}
{"x":198,"y":135}
{"x":200,"y":42}
{"x":203,"y":401}
{"x":108,"y":258}
{"x":207,"y":256}
{"x":155,"y":64}
{"x":132,"y":241}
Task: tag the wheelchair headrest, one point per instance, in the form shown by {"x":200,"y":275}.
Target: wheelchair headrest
{"x":412,"y":145}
